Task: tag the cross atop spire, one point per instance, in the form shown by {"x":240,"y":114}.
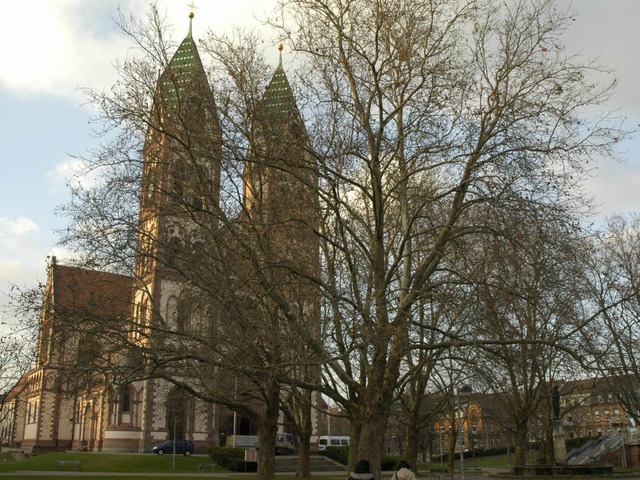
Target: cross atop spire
{"x":191,"y":15}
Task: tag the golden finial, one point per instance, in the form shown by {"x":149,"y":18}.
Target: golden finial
{"x":280,"y":47}
{"x":191,"y":15}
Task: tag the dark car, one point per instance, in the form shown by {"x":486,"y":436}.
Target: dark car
{"x":185,"y":447}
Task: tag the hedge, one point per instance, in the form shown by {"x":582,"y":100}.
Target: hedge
{"x":231,"y":459}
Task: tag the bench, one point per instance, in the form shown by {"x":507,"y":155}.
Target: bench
{"x":440,"y":475}
{"x":444,"y":476}
{"x":206,"y":466}
{"x":68,"y":463}
{"x":473,"y":470}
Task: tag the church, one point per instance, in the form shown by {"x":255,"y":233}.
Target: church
{"x":188,"y":252}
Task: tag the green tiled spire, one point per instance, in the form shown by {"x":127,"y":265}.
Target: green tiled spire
{"x":278,"y":98}
{"x":183,"y":68}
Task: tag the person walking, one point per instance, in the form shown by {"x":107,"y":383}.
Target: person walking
{"x":404,"y":472}
{"x":362,"y":471}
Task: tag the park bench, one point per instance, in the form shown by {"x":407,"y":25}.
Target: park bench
{"x":440,"y":475}
{"x":206,"y":466}
{"x":68,"y":463}
{"x":473,"y":470}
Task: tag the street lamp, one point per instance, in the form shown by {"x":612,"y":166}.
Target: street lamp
{"x":441,"y":466}
{"x":460,"y":439}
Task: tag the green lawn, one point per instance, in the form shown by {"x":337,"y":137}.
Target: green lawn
{"x":495,"y":461}
{"x":151,"y":464}
{"x":98,"y":462}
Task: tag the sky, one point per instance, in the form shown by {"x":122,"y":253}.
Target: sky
{"x":51,"y":49}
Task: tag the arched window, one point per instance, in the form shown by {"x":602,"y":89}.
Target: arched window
{"x":183,"y":317}
{"x":172,"y":312}
{"x":125,"y":399}
{"x":173,"y":252}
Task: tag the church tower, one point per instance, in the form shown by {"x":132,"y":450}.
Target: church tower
{"x":280,"y":176}
{"x":281,"y":203}
{"x":178,"y":204}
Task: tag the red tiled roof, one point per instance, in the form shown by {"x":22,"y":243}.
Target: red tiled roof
{"x":89,"y":292}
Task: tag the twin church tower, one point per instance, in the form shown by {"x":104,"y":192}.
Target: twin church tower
{"x":189,"y":239}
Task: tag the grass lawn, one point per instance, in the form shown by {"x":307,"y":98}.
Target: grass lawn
{"x":495,"y":461}
{"x":98,"y":462}
{"x":91,"y":477}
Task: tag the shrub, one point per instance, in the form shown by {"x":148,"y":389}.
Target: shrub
{"x":339,"y":454}
{"x":231,"y":459}
{"x":390,"y":463}
{"x":490,"y":452}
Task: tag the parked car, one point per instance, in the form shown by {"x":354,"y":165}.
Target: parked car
{"x":185,"y":447}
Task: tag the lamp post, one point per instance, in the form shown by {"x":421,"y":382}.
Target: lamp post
{"x":235,"y":414}
{"x":173,"y":459}
{"x":441,"y":466}
{"x":460,"y":439}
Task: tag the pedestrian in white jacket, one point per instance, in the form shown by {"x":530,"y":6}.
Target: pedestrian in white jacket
{"x":404,"y":472}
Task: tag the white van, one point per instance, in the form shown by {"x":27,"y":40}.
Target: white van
{"x":332,"y":441}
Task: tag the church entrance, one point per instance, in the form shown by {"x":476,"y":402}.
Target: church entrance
{"x":178,"y":407}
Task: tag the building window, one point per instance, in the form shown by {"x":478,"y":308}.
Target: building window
{"x":183,"y":317}
{"x":125,"y":400}
{"x":32,"y":412}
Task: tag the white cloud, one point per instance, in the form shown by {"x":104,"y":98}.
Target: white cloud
{"x":16,"y":227}
{"x":21,"y":256}
{"x":58,"y":46}
{"x":54,"y":47}
{"x":71,"y":171}
{"x":615,"y":187}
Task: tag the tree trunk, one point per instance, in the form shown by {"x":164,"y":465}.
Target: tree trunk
{"x":371,"y":441}
{"x":304,"y":429}
{"x":303,"y":469}
{"x":411,"y":444}
{"x":520,"y":450}
{"x":355,"y":431}
{"x":267,"y":430}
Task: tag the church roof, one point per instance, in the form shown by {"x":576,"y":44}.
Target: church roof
{"x":278,"y":99}
{"x":184,"y":67}
{"x":79,"y":291}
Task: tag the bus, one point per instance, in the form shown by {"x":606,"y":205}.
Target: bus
{"x":284,"y":444}
{"x":332,"y":441}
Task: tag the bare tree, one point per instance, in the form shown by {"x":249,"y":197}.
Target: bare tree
{"x":417,"y":115}
{"x":531,"y":291}
{"x":420,"y":107}
{"x":613,"y":339}
{"x":18,"y":333}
